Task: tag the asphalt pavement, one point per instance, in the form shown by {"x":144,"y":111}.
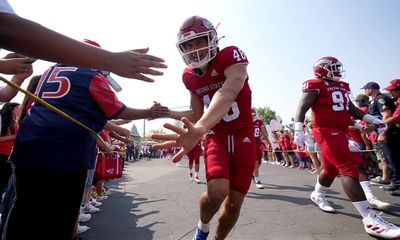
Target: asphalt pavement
{"x":156,"y":200}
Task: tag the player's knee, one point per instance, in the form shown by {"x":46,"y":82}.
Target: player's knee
{"x":217,"y":194}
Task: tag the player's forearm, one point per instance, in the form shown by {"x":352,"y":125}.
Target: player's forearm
{"x":177,"y":115}
{"x":47,"y":44}
{"x":219,"y":106}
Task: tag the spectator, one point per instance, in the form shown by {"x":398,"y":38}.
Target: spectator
{"x":51,"y":149}
{"x":392,"y":135}
{"x":381,"y":107}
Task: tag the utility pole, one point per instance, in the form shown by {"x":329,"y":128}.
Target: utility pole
{"x":144,"y":129}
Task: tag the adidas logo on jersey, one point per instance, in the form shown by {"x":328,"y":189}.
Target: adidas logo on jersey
{"x":210,"y":132}
{"x":214,"y":73}
{"x":246,"y":140}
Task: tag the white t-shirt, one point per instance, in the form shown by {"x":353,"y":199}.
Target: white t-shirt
{"x":5,"y":7}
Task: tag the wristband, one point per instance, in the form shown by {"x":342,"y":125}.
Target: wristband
{"x":298,"y":126}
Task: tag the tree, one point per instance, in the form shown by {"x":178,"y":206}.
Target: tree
{"x":136,"y":137}
{"x":266,"y":114}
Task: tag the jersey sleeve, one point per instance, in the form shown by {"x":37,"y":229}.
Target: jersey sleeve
{"x":311,"y":85}
{"x":232,"y":55}
{"x":105,"y":97}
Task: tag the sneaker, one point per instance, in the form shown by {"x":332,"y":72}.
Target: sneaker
{"x":389,"y":187}
{"x":200,"y":235}
{"x":395,"y":193}
{"x":84,"y":217}
{"x":89,"y":208}
{"x":376,"y":178}
{"x":376,"y":226}
{"x":82,"y":229}
{"x":95,"y":203}
{"x":105,"y":193}
{"x":321,"y":201}
{"x":191,"y":176}
{"x":313,"y":171}
{"x":101,"y":198}
{"x":378,"y":204}
{"x":259,"y":185}
{"x":196,"y":179}
{"x":379,"y":182}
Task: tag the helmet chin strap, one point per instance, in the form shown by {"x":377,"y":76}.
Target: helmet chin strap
{"x":198,"y":71}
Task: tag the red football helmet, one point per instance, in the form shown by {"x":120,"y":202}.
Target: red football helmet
{"x":193,"y":28}
{"x":329,"y":68}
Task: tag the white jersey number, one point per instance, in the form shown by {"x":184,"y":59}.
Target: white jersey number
{"x":239,"y":55}
{"x":338,"y":101}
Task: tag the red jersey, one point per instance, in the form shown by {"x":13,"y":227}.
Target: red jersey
{"x":257,"y":131}
{"x":331,"y":109}
{"x":239,"y":119}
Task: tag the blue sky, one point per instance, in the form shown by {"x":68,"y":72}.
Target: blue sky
{"x":281,"y":38}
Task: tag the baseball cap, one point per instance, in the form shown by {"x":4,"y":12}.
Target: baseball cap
{"x":371,"y":85}
{"x":394,"y":84}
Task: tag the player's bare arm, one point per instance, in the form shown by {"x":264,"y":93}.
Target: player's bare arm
{"x":306,"y":101}
{"x":355,"y":111}
{"x":225,"y":96}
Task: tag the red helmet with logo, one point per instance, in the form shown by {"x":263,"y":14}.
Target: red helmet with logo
{"x":329,"y":68}
{"x":193,"y":28}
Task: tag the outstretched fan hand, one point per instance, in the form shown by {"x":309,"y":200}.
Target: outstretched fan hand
{"x":186,"y":138}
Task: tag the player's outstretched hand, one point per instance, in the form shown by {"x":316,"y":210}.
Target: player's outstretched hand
{"x":186,"y":138}
{"x":136,"y":63}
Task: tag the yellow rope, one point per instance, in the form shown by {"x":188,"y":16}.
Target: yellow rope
{"x":53,"y":108}
{"x":312,"y":151}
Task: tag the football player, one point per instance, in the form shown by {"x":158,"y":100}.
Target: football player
{"x":216,"y":79}
{"x":259,"y":131}
{"x":328,"y":97}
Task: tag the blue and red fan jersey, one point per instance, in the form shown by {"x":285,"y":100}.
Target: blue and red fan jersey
{"x":46,"y":139}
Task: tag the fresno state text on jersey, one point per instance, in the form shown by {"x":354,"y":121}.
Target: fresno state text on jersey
{"x":331,"y":105}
